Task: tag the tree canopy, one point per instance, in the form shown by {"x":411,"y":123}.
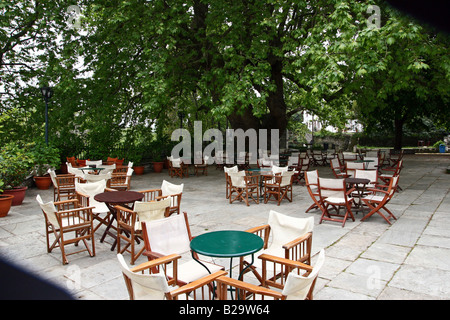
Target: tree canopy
{"x":123,"y":71}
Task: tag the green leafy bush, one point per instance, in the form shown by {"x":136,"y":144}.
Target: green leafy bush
{"x":15,"y":165}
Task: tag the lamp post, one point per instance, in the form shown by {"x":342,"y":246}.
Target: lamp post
{"x":47,"y":93}
{"x":181,"y":116}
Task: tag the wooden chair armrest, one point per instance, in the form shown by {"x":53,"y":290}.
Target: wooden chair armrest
{"x":82,"y":194}
{"x":350,"y":191}
{"x":197,"y":283}
{"x":63,"y":202}
{"x":256,"y":229}
{"x":377,"y":190}
{"x":297,"y":241}
{"x":156,"y":262}
{"x":152,"y":254}
{"x":109,"y":189}
{"x":119,"y":207}
{"x":286,"y":262}
{"x":248,"y":287}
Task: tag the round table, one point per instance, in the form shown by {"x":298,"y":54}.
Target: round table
{"x":227,"y":244}
{"x":360,"y":187}
{"x":113,"y":198}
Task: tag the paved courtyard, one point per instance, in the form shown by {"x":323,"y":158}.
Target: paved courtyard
{"x":409,"y":259}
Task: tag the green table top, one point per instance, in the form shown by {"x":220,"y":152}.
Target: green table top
{"x":227,"y":243}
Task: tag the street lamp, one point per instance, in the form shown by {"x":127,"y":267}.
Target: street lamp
{"x":47,"y":93}
{"x":181,"y":116}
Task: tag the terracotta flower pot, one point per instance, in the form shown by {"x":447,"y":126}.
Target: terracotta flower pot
{"x":158,"y":166}
{"x":18,"y":193}
{"x":138,"y":170}
{"x":5,"y":204}
{"x":43,"y":182}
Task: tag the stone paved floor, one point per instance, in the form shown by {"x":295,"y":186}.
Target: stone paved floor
{"x":409,"y":259}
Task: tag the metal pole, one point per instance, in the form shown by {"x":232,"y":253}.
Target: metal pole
{"x":46,"y":121}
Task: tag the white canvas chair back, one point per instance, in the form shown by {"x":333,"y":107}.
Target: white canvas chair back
{"x":297,"y":286}
{"x":305,"y":164}
{"x":352,"y":166}
{"x":91,"y":189}
{"x":230,"y":169}
{"x":77,"y":172}
{"x":145,"y":286}
{"x":372,"y":175}
{"x":52,"y":174}
{"x":335,"y":163}
{"x":393,"y":185}
{"x":332,"y":188}
{"x":169,"y":189}
{"x":49,"y":210}
{"x":372,"y":165}
{"x":97,"y":177}
{"x":168,"y":235}
{"x":237,"y":179}
{"x":286,"y":228}
{"x":277,"y":169}
{"x":108,"y":168}
{"x":148,"y":211}
{"x":372,"y":154}
{"x":312,"y":179}
{"x":286,"y":178}
{"x":176,"y":163}
{"x":90,"y":162}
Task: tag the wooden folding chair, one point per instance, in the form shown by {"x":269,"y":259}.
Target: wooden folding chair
{"x":312,"y":185}
{"x":334,"y":193}
{"x":245,"y":187}
{"x":279,"y":188}
{"x":376,"y":202}
{"x":297,"y":281}
{"x":64,"y":217}
{"x":145,"y":284}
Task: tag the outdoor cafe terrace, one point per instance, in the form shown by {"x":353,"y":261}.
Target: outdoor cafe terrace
{"x":370,"y":259}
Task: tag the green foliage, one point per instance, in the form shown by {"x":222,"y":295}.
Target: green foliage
{"x":15,"y":165}
{"x":245,"y":64}
{"x":45,"y":157}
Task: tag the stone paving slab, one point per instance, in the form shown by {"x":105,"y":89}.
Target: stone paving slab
{"x":364,"y":260}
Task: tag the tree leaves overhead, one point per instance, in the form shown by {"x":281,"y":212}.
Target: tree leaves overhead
{"x":132,"y":66}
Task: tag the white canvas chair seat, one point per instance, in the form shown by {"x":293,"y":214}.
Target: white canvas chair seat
{"x":192,"y":270}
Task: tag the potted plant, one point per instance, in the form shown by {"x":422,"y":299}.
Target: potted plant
{"x":5,"y":202}
{"x":15,"y":167}
{"x":44,"y":157}
{"x":135,"y":156}
{"x":156,"y":152}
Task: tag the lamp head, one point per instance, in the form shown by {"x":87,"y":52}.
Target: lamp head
{"x":47,"y":92}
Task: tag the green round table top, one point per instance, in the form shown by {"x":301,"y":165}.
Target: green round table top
{"x":227,"y":243}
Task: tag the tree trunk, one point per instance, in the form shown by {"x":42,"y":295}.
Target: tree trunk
{"x":398,"y":132}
